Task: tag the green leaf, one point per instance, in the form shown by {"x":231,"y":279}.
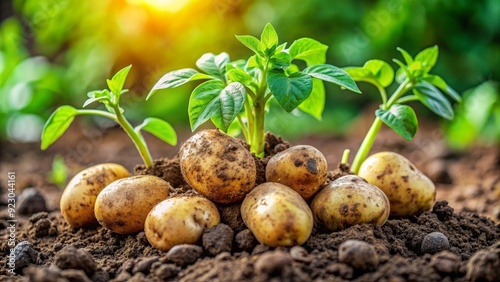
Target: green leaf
{"x":309,"y":50}
{"x":441,"y":84}
{"x":116,"y":83}
{"x":212,"y":100}
{"x":57,"y":124}
{"x":403,"y":71}
{"x":376,"y":72}
{"x":428,"y":58}
{"x":241,"y":76}
{"x":315,"y":103}
{"x":433,"y":99}
{"x":99,"y":95}
{"x":159,"y":128}
{"x":269,"y":37}
{"x":281,"y":60}
{"x":214,"y":65}
{"x":382,"y":72}
{"x":177,"y":78}
{"x":401,"y":119}
{"x":289,"y":91}
{"x":252,"y":43}
{"x":406,"y":56}
{"x":332,"y":74}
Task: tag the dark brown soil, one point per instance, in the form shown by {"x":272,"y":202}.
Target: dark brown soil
{"x":48,"y":249}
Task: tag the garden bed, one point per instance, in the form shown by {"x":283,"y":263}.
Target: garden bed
{"x":467,"y":208}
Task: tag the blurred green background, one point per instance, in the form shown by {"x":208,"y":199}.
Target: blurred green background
{"x":53,"y":52}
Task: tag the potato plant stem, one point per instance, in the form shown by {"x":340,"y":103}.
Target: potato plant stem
{"x":366,"y":145}
{"x":138,"y":140}
{"x":257,"y":115}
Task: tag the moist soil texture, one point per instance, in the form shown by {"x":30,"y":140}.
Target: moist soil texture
{"x":457,"y":240}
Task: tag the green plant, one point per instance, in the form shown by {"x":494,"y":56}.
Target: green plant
{"x":477,"y":118}
{"x":240,"y":90}
{"x":414,"y":75}
{"x":62,"y":117}
{"x":59,"y":173}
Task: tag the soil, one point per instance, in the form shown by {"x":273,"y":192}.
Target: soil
{"x":466,"y":214}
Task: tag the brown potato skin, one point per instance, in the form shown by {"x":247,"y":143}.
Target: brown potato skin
{"x":302,"y":168}
{"x":123,"y":205}
{"x":347,"y":201}
{"x":277,"y":215}
{"x":217,"y":166}
{"x":410,"y":192}
{"x":180,"y":220}
{"x":78,"y":199}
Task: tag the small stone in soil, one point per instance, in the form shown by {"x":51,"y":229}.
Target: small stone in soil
{"x":144,"y":265}
{"x":31,"y":201}
{"x":218,"y":239}
{"x":445,"y":262}
{"x":24,"y":254}
{"x":435,"y":242}
{"x":484,"y":265}
{"x":245,"y":240}
{"x":184,"y":254}
{"x":358,"y":254}
{"x":73,"y":258}
{"x":100,"y":276}
{"x":260,"y":249}
{"x":300,"y":254}
{"x":272,"y":262}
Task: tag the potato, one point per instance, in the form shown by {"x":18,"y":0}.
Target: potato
{"x":277,"y":215}
{"x":123,"y":205}
{"x":410,"y":192}
{"x":218,"y":166}
{"x":78,"y":199}
{"x":347,"y":201}
{"x":302,"y":168}
{"x":180,"y":220}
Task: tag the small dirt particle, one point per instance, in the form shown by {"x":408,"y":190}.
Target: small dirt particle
{"x":41,"y":228}
{"x":300,"y":254}
{"x":31,"y":201}
{"x":245,"y":240}
{"x":24,"y":255}
{"x":73,"y":258}
{"x":166,"y":271}
{"x":340,"y":269}
{"x":445,"y":262}
{"x":484,"y":265}
{"x":272,"y":262}
{"x":218,"y":239}
{"x":44,"y":274}
{"x":184,"y":254}
{"x":260,"y":249}
{"x":435,"y":242}
{"x":144,"y":265}
{"x":100,"y":276}
{"x":75,"y":275}
{"x":443,"y":211}
{"x":358,"y":254}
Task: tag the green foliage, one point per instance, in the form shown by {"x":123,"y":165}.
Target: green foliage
{"x":59,"y":173}
{"x":413,"y":76}
{"x":477,"y":118}
{"x":241,"y":90}
{"x":63,"y":116}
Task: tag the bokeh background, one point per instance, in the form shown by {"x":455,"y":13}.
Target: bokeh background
{"x":53,"y":52}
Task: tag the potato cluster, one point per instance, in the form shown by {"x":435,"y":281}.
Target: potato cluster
{"x":223,"y":171}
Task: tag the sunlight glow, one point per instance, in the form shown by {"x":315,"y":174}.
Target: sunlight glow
{"x":171,"y":6}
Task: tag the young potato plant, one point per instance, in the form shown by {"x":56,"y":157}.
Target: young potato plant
{"x":239,"y":91}
{"x":62,"y":117}
{"x":415,"y":84}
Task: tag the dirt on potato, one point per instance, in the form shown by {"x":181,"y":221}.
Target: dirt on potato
{"x":48,"y":249}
